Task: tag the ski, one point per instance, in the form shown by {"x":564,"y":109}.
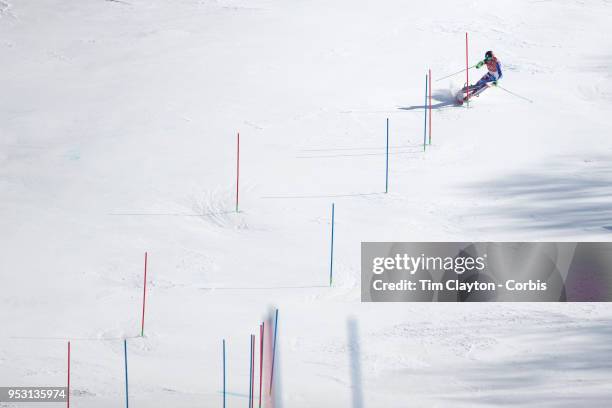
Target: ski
{"x":464,"y":96}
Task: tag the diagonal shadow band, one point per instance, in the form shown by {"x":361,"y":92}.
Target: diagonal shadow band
{"x":568,"y":193}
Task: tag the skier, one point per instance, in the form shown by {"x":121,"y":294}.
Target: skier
{"x":493,"y":75}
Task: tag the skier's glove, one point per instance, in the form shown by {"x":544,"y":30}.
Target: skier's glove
{"x":480,"y":64}
{"x":494,"y":83}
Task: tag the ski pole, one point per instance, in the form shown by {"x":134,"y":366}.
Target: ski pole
{"x":455,"y":73}
{"x":512,"y":93}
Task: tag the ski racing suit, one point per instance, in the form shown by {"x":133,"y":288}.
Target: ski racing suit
{"x":494,"y":74}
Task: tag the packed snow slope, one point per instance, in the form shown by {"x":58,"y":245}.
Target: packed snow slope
{"x":118,"y":124}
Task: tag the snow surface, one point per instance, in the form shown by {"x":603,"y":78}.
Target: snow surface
{"x":118,"y":124}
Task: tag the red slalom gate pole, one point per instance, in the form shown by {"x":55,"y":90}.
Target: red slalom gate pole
{"x":68,"y":386}
{"x":430,"y":106}
{"x":467,"y":70}
{"x":237,"y":170}
{"x":261,"y":350}
{"x":144,"y":296}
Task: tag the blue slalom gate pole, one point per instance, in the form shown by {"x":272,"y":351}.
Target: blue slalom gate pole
{"x":273,"y":351}
{"x":223,"y":373}
{"x":425,"y":110}
{"x":127,"y":400}
{"x":387,"y":165}
{"x":331,"y":259}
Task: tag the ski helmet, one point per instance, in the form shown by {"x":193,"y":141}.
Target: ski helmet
{"x":488,"y":55}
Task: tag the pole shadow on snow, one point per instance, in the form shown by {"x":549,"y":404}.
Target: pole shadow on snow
{"x":335,"y":152}
{"x":115,"y":338}
{"x":171,"y":214}
{"x":333,"y":149}
{"x":415,"y":149}
{"x":263,"y":287}
{"x":234,"y":394}
{"x":324,"y":195}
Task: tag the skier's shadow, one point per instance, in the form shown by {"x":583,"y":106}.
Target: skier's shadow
{"x":433,"y":106}
{"x":444,"y":99}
